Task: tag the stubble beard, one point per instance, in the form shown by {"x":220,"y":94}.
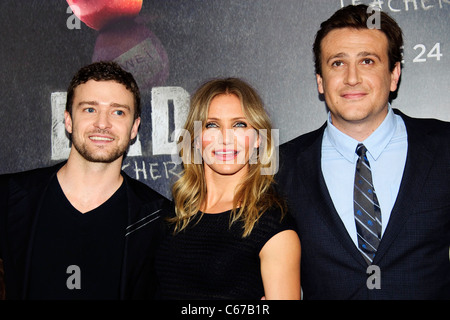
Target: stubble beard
{"x":99,"y":157}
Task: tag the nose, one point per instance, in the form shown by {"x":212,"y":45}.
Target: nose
{"x":102,"y":120}
{"x":227,"y":136}
{"x":352,"y":76}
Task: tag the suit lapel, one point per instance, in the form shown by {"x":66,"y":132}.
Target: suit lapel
{"x":133,"y":210}
{"x":35,"y":195}
{"x":420,"y":154}
{"x":141,"y":213}
{"x":309,"y":163}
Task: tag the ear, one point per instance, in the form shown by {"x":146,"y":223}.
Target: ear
{"x":68,"y":122}
{"x":135,"y":128}
{"x":395,"y":76}
{"x":319,"y":83}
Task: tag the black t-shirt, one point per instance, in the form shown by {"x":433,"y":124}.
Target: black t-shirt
{"x":210,"y":260}
{"x":75,"y":255}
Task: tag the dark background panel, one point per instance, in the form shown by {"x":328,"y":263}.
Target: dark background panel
{"x":266,"y":42}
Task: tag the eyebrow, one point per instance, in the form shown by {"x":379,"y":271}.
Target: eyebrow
{"x":96,"y":103}
{"x":360,"y":54}
{"x":233,"y":119}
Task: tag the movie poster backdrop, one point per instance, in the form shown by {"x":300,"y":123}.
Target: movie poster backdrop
{"x":173,"y":46}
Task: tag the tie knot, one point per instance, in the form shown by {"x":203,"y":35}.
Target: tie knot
{"x":361,"y":150}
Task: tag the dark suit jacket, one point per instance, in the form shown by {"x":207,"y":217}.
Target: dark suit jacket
{"x":21,"y":197}
{"x":413,"y":255}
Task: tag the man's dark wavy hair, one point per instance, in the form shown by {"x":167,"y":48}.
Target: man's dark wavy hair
{"x":105,"y":71}
{"x":357,"y":17}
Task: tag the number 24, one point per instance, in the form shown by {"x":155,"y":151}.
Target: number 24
{"x":435,"y":52}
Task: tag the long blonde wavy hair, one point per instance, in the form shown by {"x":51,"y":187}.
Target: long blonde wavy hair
{"x":255,"y":193}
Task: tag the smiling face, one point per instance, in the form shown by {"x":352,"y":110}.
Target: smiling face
{"x":356,"y":80}
{"x":102,"y":121}
{"x":228,"y":139}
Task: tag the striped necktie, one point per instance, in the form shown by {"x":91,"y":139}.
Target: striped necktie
{"x":366,"y":207}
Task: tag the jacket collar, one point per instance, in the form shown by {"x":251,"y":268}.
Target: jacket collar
{"x":421,"y":151}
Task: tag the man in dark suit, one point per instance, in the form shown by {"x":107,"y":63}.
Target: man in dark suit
{"x":83,"y":229}
{"x":370,"y":189}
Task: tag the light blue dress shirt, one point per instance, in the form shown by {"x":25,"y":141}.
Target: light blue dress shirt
{"x":387,"y":147}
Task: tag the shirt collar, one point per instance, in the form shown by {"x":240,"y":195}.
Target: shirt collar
{"x":375,"y":143}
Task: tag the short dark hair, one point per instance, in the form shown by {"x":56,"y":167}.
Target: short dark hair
{"x":105,"y":71}
{"x":357,"y":17}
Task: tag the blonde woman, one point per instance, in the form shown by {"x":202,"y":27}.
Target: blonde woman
{"x":229,"y":236}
